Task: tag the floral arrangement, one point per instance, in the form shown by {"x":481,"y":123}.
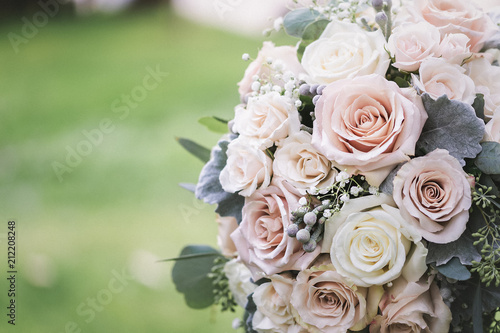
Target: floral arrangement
{"x":357,"y":186}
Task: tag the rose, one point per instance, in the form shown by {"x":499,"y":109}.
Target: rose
{"x":438,"y":77}
{"x":457,"y":16}
{"x":324,"y":301}
{"x":239,"y":280}
{"x":433,"y":194}
{"x":284,"y":56}
{"x":301,"y":165}
{"x":272,"y":300}
{"x":454,"y":48}
{"x":485,"y":77}
{"x":247,"y":168}
{"x":373,"y":244}
{"x":344,"y":50}
{"x":267,"y":118}
{"x":412,"y":43}
{"x":261,"y":238}
{"x":492,"y":130}
{"x":226,"y":225}
{"x":367,"y":124}
{"x":412,"y":307}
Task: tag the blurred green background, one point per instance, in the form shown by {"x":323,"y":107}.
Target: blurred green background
{"x":89,"y":233}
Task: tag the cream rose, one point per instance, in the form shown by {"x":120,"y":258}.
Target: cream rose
{"x":239,"y":279}
{"x":367,"y":125}
{"x":454,"y":48}
{"x":267,"y":118}
{"x":226,"y":225}
{"x":492,"y":130}
{"x":375,"y":246}
{"x":344,"y":50}
{"x":261,"y":238}
{"x":283,"y":56}
{"x":412,"y":307}
{"x":324,"y":301}
{"x":300,"y":164}
{"x":433,"y":194}
{"x":272,"y":300}
{"x":412,"y":43}
{"x":457,"y":16}
{"x":437,"y":77}
{"x":485,"y":77}
{"x":247,"y":168}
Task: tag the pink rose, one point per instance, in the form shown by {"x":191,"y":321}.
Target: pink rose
{"x":286,"y":56}
{"x":261,"y":238}
{"x":493,"y":128}
{"x":433,"y":194}
{"x":226,"y":226}
{"x":324,"y":301}
{"x":412,"y":307}
{"x":413,"y":43}
{"x":437,"y":77}
{"x":367,"y":124}
{"x":457,"y":16}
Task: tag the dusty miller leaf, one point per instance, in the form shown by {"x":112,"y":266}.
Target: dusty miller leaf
{"x":296,"y":21}
{"x":452,"y":125}
{"x":209,"y":188}
{"x":455,"y":270}
{"x":462,"y":248}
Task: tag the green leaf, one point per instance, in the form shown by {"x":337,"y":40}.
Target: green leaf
{"x":311,"y":33}
{"x":296,"y":21}
{"x":214,"y":124}
{"x":462,"y":248}
{"x":209,"y":188}
{"x":190,"y":275}
{"x":197,"y":150}
{"x":452,"y":125}
{"x":455,"y":270}
{"x":188,"y":186}
{"x":477,"y":311}
{"x":478,"y":106}
{"x":488,"y":160}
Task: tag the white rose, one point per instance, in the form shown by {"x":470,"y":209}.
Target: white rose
{"x":272,"y":300}
{"x":485,"y":77}
{"x":377,"y":245}
{"x":412,"y":43}
{"x":344,"y":50}
{"x":239,"y":279}
{"x":493,"y":128}
{"x":267,"y":118}
{"x":247,"y":168}
{"x":454,"y":48}
{"x":300,"y":164}
{"x":437,"y":77}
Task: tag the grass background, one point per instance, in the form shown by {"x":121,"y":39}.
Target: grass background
{"x":120,"y":208}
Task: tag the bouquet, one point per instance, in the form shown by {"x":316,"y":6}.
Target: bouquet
{"x":357,"y":187}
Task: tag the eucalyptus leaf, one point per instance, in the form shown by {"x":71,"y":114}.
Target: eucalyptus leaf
{"x":296,"y":21}
{"x":478,"y":106}
{"x":462,"y":248}
{"x":190,"y":275}
{"x":209,"y":188}
{"x":488,"y":161}
{"x":214,"y":124}
{"x":452,"y":125}
{"x":455,"y":270}
{"x":197,"y":150}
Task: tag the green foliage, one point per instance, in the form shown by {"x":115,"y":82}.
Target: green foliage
{"x":196,"y":149}
{"x":222,"y":293}
{"x":214,"y":124}
{"x":455,"y":270}
{"x":191,"y":275}
{"x":488,"y":160}
{"x":297,"y":21}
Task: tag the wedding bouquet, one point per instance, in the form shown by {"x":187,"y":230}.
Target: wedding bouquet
{"x":357,"y":186}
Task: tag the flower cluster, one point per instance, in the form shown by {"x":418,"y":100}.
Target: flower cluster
{"x":358,"y":186}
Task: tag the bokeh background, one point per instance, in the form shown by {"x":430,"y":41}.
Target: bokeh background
{"x":89,"y":165}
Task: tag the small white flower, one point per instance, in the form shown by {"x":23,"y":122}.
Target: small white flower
{"x":278,"y":23}
{"x":269,"y":60}
{"x":344,"y":197}
{"x":298,"y":103}
{"x":255,"y":85}
{"x":245,"y":56}
{"x":355,"y":190}
{"x":236,"y":323}
{"x":342,"y":176}
{"x":327,"y":213}
{"x":373,"y":190}
{"x":303,"y":201}
{"x":255,"y":78}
